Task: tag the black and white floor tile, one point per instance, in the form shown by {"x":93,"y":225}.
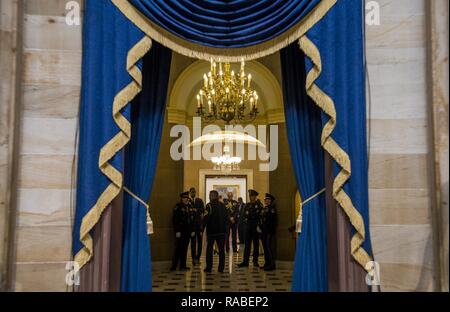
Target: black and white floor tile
{"x":233,"y":278}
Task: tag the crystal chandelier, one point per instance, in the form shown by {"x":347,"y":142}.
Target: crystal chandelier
{"x":226,"y":162}
{"x":227,"y":95}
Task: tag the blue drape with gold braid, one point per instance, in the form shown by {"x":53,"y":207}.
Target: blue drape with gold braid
{"x":110,"y":79}
{"x":118,"y":33}
{"x":336,"y":82}
{"x":304,"y":127}
{"x":141,"y":155}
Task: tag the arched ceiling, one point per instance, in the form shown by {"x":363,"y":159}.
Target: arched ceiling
{"x":182,"y":98}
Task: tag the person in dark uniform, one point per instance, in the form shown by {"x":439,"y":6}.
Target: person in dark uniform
{"x":215,"y":219}
{"x":268,"y":226}
{"x":182,"y":224}
{"x":252,"y":213}
{"x":241,"y":223}
{"x":198,"y":208}
{"x":233,"y":213}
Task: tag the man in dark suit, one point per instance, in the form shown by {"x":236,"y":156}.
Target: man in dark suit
{"x":215,"y":219}
{"x":233,"y":214}
{"x":198,"y":208}
{"x":241,"y":223}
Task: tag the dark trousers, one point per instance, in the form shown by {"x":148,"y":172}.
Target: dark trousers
{"x":181,"y":247}
{"x":242,"y":228}
{"x":211,"y":239}
{"x":196,"y":245}
{"x":251,"y":236}
{"x":233,"y":229}
{"x":269,"y":256}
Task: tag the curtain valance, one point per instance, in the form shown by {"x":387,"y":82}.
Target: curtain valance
{"x":228,"y":29}
{"x":226,"y":24}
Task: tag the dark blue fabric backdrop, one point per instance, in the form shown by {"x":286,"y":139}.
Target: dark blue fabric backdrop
{"x":141,"y":156}
{"x":339,"y":36}
{"x":304,"y":128}
{"x":107,"y":37}
{"x":225,"y":24}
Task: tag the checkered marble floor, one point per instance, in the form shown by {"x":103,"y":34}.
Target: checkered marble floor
{"x":233,"y":278}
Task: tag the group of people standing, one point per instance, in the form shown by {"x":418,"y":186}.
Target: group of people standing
{"x":251,"y":222}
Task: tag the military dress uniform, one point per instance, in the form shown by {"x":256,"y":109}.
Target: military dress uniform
{"x":252,"y":212}
{"x":198,"y":209}
{"x":182,"y":224}
{"x":268,"y":226}
{"x":233,"y":215}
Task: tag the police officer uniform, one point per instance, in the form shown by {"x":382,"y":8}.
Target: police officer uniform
{"x":233,"y":215}
{"x":268,"y":226}
{"x":198,"y":209}
{"x":182,"y":224}
{"x":252,"y":212}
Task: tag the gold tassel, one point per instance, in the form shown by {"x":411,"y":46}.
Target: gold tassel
{"x":149,"y":223}
{"x":147,"y":207}
{"x":298,"y":224}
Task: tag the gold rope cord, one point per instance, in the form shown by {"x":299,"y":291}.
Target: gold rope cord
{"x":300,"y":210}
{"x":112,"y":148}
{"x":329,"y":144}
{"x":198,"y":51}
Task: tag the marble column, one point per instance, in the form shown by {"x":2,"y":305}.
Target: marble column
{"x":438,"y":47}
{"x":10,"y":104}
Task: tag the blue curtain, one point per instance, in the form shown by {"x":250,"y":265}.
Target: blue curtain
{"x":339,"y":36}
{"x":304,"y":127}
{"x":108,"y":36}
{"x":141,"y":156}
{"x":226,"y":24}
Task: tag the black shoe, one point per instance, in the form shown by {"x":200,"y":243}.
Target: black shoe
{"x":220,"y":271}
{"x":269,"y":268}
{"x":256,"y":265}
{"x":243,"y":265}
{"x":185,"y":269}
{"x":207,"y":270}
{"x":173,"y":268}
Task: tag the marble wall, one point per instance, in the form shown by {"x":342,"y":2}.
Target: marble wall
{"x":400,"y":178}
{"x":51,"y":86}
{"x":402,"y":195}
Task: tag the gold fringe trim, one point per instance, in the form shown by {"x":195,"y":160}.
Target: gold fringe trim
{"x":112,"y":148}
{"x":329,"y":144}
{"x":198,"y":51}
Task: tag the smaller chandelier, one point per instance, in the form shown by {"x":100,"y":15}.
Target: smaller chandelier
{"x":226,"y":162}
{"x":227,"y":95}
